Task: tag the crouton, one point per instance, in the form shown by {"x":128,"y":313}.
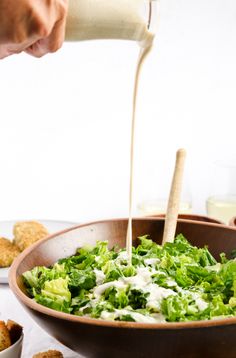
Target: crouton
{"x":8,"y":252}
{"x":15,"y":330}
{"x":49,"y":354}
{"x":5,"y":340}
{"x":28,"y":232}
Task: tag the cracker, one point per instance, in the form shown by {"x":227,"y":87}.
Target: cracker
{"x":28,"y":232}
{"x":8,"y":252}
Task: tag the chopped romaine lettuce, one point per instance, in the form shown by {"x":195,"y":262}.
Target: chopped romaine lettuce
{"x":174,"y":283}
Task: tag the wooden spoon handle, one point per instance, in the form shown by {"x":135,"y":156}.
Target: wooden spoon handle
{"x":174,"y":198}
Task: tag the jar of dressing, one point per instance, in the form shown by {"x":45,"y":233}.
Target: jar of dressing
{"x":111,"y":19}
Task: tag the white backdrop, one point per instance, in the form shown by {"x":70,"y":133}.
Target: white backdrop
{"x":65,"y":119}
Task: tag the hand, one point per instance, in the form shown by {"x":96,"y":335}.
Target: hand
{"x":34,"y":26}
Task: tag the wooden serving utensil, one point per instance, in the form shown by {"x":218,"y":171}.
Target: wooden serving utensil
{"x":174,"y":198}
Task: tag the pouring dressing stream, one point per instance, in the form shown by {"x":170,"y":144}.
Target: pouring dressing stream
{"x":141,"y":59}
{"x":116,"y":19}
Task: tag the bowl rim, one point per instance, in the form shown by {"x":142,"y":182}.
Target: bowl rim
{"x":191,"y":216}
{"x":18,"y":342}
{"x":30,"y":303}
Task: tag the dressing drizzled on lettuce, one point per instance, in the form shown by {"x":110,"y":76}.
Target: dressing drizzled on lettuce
{"x":174,"y":283}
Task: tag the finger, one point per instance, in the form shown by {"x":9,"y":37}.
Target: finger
{"x":5,"y":51}
{"x":52,"y":43}
{"x":11,"y":49}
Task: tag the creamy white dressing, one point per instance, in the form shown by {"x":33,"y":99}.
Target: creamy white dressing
{"x":156,"y":295}
{"x":108,"y":316}
{"x":159,"y":272}
{"x":143,"y":281}
{"x":201,"y":304}
{"x":119,"y":284}
{"x":138,"y":317}
{"x":122,"y":256}
{"x":144,"y":51}
{"x":216,"y":267}
{"x":159,"y":317}
{"x":140,"y":280}
{"x":97,"y":258}
{"x":151,"y":261}
{"x":171,"y":283}
{"x":100,"y":276}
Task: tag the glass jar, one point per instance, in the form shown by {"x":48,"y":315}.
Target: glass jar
{"x":221,"y":203}
{"x":112,"y":19}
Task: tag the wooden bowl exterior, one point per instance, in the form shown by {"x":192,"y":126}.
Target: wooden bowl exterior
{"x":97,"y":338}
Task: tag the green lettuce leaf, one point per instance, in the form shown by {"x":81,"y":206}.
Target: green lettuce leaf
{"x":57,"y":290}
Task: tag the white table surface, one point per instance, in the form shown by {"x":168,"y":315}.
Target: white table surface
{"x":35,"y":339}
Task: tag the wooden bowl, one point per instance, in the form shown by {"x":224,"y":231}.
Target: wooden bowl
{"x":233,"y":221}
{"x":194,"y":217}
{"x":98,"y":338}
